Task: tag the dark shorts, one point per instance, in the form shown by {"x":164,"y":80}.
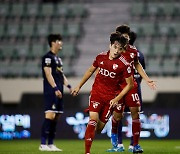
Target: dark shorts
{"x":53,"y":103}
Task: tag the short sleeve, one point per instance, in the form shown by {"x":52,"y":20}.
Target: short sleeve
{"x":47,"y":61}
{"x":127,"y":72}
{"x":95,"y":63}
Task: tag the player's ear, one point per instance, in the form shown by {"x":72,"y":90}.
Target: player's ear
{"x":110,"y":46}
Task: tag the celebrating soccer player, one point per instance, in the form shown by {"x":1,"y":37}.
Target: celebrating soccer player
{"x":105,"y":96}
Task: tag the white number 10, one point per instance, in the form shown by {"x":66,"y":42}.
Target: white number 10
{"x":135,"y":97}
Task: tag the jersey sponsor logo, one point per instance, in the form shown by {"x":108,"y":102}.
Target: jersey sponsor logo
{"x":115,"y":66}
{"x":107,"y":73}
{"x":102,"y":63}
{"x":60,"y":69}
{"x":132,"y":55}
{"x":47,"y":61}
{"x":95,"y":104}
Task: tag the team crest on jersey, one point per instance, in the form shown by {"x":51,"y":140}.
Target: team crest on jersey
{"x":132,"y":55}
{"x":115,"y":66}
{"x":129,"y":70}
{"x":95,"y":104}
{"x":53,"y":106}
{"x":102,"y":63}
{"x":47,"y":61}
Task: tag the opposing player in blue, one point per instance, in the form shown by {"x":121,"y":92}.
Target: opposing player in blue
{"x":120,"y":147}
{"x":53,"y":82}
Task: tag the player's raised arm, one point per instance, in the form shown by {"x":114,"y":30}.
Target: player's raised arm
{"x":86,"y":76}
{"x":141,"y":71}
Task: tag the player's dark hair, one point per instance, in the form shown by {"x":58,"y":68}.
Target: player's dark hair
{"x":54,"y":38}
{"x":133,"y":37}
{"x":116,"y":36}
{"x":123,"y":41}
{"x":123,"y":29}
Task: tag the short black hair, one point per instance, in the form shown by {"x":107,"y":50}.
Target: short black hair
{"x":132,"y":36}
{"x":53,"y":38}
{"x":123,"y":29}
{"x":116,"y":36}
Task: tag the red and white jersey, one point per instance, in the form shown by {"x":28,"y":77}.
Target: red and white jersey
{"x":131,"y":56}
{"x":110,"y":74}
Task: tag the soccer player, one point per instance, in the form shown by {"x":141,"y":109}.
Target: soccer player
{"x":105,"y":95}
{"x":131,"y":99}
{"x":138,"y":78}
{"x":53,"y":81}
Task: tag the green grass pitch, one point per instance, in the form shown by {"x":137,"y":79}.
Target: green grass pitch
{"x":77,"y":146}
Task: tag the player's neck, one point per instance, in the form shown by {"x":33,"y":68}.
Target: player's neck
{"x":54,"y":51}
{"x":110,"y":58}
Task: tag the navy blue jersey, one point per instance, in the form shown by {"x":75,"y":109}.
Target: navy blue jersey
{"x":55,"y":62}
{"x":137,"y":76}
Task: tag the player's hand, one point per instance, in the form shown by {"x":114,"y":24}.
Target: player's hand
{"x":113,"y":103}
{"x":58,"y":93}
{"x":152,"y":84}
{"x":70,"y":90}
{"x":75,"y":91}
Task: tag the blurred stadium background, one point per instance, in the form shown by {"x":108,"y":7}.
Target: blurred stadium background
{"x":85,"y":26}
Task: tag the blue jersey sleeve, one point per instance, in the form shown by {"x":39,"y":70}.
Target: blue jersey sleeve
{"x":47,"y":61}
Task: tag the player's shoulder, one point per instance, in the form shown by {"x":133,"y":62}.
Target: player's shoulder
{"x":102,"y":54}
{"x":132,"y":48}
{"x":140,"y":54}
{"x":48,"y":55}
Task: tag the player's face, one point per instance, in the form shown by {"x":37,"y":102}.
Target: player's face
{"x":126,"y":36}
{"x":59,"y":44}
{"x":115,"y":50}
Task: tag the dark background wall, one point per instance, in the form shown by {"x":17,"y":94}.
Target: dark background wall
{"x":32,"y":104}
